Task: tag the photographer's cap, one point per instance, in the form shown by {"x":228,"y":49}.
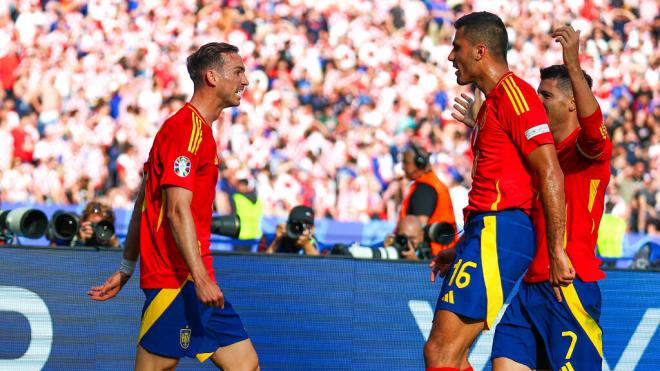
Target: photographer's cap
{"x":303,"y":214}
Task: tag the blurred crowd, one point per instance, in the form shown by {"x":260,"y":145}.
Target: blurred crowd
{"x":337,"y":90}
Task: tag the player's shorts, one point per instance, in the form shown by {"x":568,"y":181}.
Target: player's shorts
{"x":541,"y":333}
{"x":496,"y":251}
{"x":176,"y":324}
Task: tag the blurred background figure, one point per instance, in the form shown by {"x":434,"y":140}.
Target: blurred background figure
{"x":427,"y":198}
{"x":296,"y":236}
{"x":409,"y":240}
{"x":97,"y":227}
{"x":249,"y":208}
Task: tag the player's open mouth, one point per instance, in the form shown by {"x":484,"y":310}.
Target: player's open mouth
{"x":239,"y":92}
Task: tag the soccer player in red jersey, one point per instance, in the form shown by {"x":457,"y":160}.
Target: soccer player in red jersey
{"x":545,"y":327}
{"x":185,"y":312}
{"x":511,"y":141}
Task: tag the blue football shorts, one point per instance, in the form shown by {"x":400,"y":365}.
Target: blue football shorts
{"x":176,"y":324}
{"x":541,"y":333}
{"x":496,"y":251}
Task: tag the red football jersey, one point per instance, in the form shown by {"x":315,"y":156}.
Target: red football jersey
{"x":183,"y":155}
{"x":511,"y":123}
{"x":584,"y":157}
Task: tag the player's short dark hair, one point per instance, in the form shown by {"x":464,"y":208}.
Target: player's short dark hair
{"x":559,"y":72}
{"x":486,"y":28}
{"x":208,"y":56}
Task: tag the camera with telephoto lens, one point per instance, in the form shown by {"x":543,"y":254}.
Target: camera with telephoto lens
{"x":363,"y":252}
{"x":23,"y":222}
{"x":442,"y":233}
{"x":400,"y":243}
{"x":295,"y":229}
{"x":102,"y":233}
{"x":226,"y":225}
{"x":63,"y":227}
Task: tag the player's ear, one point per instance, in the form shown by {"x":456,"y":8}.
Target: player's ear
{"x":571,"y":104}
{"x":480,"y":51}
{"x":212,"y":77}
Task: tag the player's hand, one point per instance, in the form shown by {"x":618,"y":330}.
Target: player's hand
{"x":110,"y":288}
{"x":570,"y":44}
{"x":463,"y":110}
{"x":561,"y":273}
{"x":209,"y":293}
{"x":439,"y":266}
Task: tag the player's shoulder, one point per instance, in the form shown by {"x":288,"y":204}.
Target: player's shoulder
{"x":183,"y":119}
{"x":516,"y":95}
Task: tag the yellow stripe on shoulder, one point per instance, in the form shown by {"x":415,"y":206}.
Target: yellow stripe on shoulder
{"x":520,"y":94}
{"x":511,"y":98}
{"x":193,"y":133}
{"x":199,"y":136}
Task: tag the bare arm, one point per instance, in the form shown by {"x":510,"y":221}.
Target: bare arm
{"x":543,"y":161}
{"x":545,"y":164}
{"x":593,"y":137}
{"x":585,"y":101}
{"x":275,"y":244}
{"x":132,"y":243}
{"x":179,"y":215}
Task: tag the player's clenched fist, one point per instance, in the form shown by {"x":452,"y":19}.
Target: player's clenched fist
{"x":570,"y":43}
{"x":561,"y":272}
{"x":209,"y":293}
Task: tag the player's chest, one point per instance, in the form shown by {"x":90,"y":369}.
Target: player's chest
{"x":488,"y":133}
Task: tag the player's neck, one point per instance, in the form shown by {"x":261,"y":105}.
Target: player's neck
{"x":561,"y":132}
{"x":490,"y":76}
{"x":206,"y":106}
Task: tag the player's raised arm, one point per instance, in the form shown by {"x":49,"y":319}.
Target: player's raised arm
{"x":593,"y":137}
{"x":179,"y":215}
{"x":110,"y":288}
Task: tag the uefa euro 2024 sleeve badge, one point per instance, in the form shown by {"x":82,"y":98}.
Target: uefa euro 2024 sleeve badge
{"x":182,"y":166}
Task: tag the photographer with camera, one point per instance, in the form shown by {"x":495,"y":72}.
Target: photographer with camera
{"x":409,"y":240}
{"x":97,"y":227}
{"x":427,"y":198}
{"x":296,"y":236}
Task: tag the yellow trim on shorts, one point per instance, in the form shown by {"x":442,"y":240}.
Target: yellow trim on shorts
{"x":588,"y":324}
{"x":491,"y":270}
{"x":157,"y":307}
{"x":204,"y":356}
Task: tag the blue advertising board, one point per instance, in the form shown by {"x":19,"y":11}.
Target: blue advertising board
{"x":301,"y":312}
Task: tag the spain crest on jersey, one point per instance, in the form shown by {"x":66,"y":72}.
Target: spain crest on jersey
{"x":184,"y":337}
{"x":182,"y":166}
